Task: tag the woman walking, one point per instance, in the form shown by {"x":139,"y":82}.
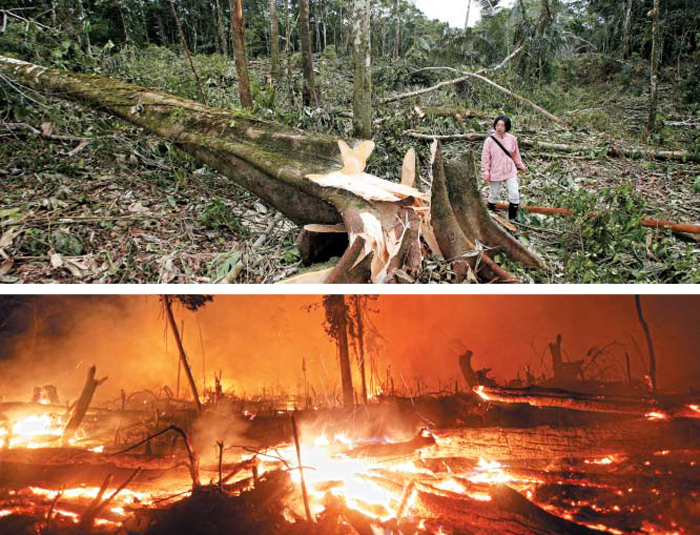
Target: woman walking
{"x":500,"y":161}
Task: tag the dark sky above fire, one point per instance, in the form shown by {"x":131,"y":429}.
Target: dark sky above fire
{"x":259,"y":341}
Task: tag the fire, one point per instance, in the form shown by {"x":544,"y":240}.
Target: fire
{"x":656,"y":415}
{"x":609,"y":459}
{"x":480,"y":391}
{"x":489,"y":472}
{"x":33,"y":431}
{"x":695,"y":408}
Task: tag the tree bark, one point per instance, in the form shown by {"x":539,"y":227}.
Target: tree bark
{"x":654,"y":68}
{"x":627,"y":30}
{"x":362,"y":81}
{"x":309,"y":92}
{"x":82,"y":404}
{"x":293,"y":171}
{"x":274,"y":42}
{"x":238,"y":38}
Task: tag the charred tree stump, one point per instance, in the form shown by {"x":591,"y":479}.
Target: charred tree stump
{"x":82,"y":405}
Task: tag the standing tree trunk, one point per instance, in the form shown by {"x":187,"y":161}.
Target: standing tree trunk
{"x":627,"y":30}
{"x":362,"y":92}
{"x":310,"y":96}
{"x":650,"y":344}
{"x":238,"y":38}
{"x":340,"y":310}
{"x":167,"y":300}
{"x":654,"y":69}
{"x":187,"y":52}
{"x":397,"y":38}
{"x":466,"y":20}
{"x":359,"y":322}
{"x":274,"y":42}
{"x":222,"y":29}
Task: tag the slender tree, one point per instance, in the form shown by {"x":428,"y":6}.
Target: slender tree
{"x":359,"y":305}
{"x":274,"y":42}
{"x":466,"y":20}
{"x":397,"y":38}
{"x":167,"y":301}
{"x":238,"y":38}
{"x":362,"y":83}
{"x":222,"y":30}
{"x":650,"y":343}
{"x":654,"y":68}
{"x":310,"y":96}
{"x":627,"y":29}
{"x":187,"y":52}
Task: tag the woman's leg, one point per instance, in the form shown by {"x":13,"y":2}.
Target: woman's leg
{"x":494,"y":191}
{"x":513,"y":197}
{"x":513,"y":192}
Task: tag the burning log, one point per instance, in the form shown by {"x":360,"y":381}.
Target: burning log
{"x":81,"y":406}
{"x":566,"y":399}
{"x":505,"y":512}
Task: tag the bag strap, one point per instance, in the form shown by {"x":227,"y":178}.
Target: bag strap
{"x":502,"y":147}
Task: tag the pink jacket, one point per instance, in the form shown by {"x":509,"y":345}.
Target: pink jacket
{"x":496,"y":166}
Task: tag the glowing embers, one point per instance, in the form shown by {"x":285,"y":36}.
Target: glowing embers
{"x":489,"y":472}
{"x":656,"y":415}
{"x":480,"y":391}
{"x":32,"y":431}
{"x":608,"y":459}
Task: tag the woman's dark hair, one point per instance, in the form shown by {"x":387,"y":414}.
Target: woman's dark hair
{"x":503,"y":118}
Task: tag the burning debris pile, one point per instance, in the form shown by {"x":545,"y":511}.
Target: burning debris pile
{"x":341,"y":473}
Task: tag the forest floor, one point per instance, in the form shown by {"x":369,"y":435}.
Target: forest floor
{"x":131,"y":208}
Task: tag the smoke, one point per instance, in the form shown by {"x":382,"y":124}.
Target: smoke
{"x":275,"y":344}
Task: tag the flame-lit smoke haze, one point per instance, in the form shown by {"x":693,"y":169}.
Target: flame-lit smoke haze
{"x":259,"y":341}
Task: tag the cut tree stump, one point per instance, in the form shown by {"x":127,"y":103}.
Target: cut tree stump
{"x":298,"y":173}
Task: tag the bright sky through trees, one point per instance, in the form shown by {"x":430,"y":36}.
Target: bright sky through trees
{"x":453,"y":11}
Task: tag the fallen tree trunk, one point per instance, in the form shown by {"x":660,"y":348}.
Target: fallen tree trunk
{"x":566,"y":399}
{"x":610,"y":150}
{"x":295,"y":172}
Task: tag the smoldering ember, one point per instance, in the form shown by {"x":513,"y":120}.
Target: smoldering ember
{"x":349,"y":414}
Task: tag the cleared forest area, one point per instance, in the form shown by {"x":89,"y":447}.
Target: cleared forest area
{"x":89,"y":197}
